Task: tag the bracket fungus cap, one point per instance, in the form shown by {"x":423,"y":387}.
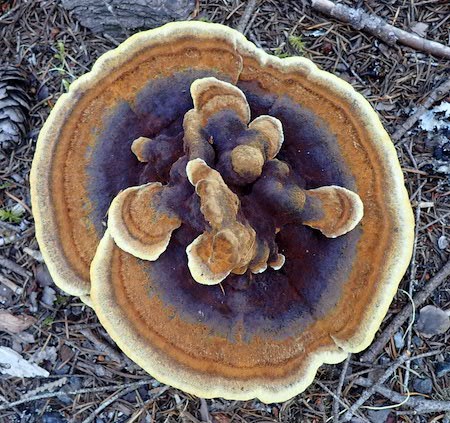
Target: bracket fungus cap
{"x":221,"y":208}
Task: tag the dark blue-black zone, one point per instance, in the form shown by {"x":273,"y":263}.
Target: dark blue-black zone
{"x":272,"y":304}
{"x":157,"y":111}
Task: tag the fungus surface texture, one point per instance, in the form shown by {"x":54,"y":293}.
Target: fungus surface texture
{"x":234,"y":219}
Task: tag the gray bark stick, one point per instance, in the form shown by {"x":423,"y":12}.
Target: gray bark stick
{"x":249,"y":8}
{"x":419,"y":405}
{"x":8,"y":264}
{"x":117,"y":16}
{"x":376,"y":26}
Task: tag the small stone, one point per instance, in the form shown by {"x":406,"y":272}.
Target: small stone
{"x":417,"y":341}
{"x":6,"y":296}
{"x":76,"y":311}
{"x":64,"y":370}
{"x":48,"y":296}
{"x":65,"y":399}
{"x":432,"y":321}
{"x":378,"y":416}
{"x":446,"y":150}
{"x":399,"y":340}
{"x":442,"y":368}
{"x":43,"y":277}
{"x":18,"y":209}
{"x":48,"y":354}
{"x":443,"y":242}
{"x":423,"y":386}
{"x":17,"y":346}
{"x":384,"y":360}
{"x":100,"y":371}
{"x":75,"y":383}
{"x":17,"y":178}
{"x":418,"y":363}
{"x":130,"y":397}
{"x":438,"y":153}
{"x":33,"y":302}
{"x":53,"y":417}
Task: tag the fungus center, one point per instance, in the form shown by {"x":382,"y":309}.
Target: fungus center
{"x":228,"y":159}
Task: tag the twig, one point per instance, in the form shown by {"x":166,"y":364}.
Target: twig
{"x":338,"y":399}
{"x":412,"y":280}
{"x":254,"y":40}
{"x":2,"y":398}
{"x":36,"y":254}
{"x":142,"y":409}
{"x":339,"y":389}
{"x":250,"y":23}
{"x":371,"y":390}
{"x":425,"y":355}
{"x":11,"y":285}
{"x":434,"y":96}
{"x":102,"y":346}
{"x":9,"y":12}
{"x":77,"y":392}
{"x":85,"y":326}
{"x":46,"y":387}
{"x":14,"y":267}
{"x":106,"y":348}
{"x":114,"y":398}
{"x":204,"y":412}
{"x":420,"y":405}
{"x":245,"y":18}
{"x":9,"y":227}
{"x":180,"y":409}
{"x":19,"y":201}
{"x":109,"y":38}
{"x":376,"y":26}
{"x":371,"y":354}
{"x":7,"y":240}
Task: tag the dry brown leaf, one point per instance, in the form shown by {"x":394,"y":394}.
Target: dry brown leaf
{"x":15,"y":324}
{"x":220,"y":418}
{"x":65,"y":353}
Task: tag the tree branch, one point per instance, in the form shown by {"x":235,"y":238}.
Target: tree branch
{"x":339,"y":389}
{"x":249,"y":8}
{"x":419,"y":405}
{"x":376,"y":26}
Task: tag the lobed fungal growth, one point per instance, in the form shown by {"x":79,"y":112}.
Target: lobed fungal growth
{"x":142,"y":219}
{"x":234,"y":219}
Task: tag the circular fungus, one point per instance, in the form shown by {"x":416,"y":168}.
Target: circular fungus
{"x":235,"y":219}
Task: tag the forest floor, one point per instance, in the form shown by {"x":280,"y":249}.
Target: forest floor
{"x":64,"y":335}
